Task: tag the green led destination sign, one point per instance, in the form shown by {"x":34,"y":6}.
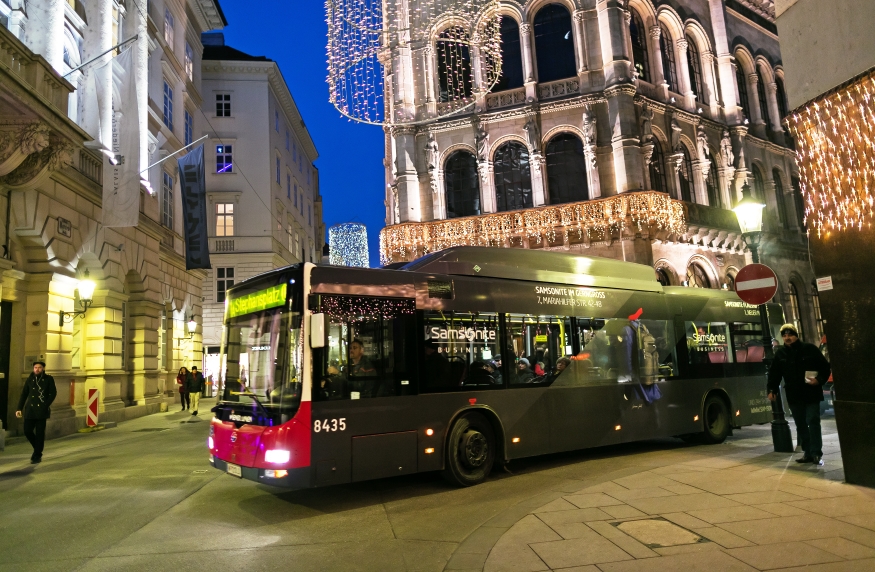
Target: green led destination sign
{"x":258,"y":301}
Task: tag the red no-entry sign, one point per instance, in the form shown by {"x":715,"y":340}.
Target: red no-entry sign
{"x":756,"y":284}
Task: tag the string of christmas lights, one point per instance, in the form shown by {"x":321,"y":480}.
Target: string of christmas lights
{"x":348,"y":243}
{"x":371,"y":42}
{"x":362,"y":308}
{"x":835,"y":151}
{"x":597,"y":219}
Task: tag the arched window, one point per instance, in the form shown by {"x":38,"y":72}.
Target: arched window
{"x":781,"y":95}
{"x":657,"y":169}
{"x":759,"y":189}
{"x":799,"y":206}
{"x":818,"y":316}
{"x":712,"y":182}
{"x":554,"y":43}
{"x":730,"y":281}
{"x":793,"y":314}
{"x":779,"y":198}
{"x":743,"y":99}
{"x":454,"y":65}
{"x":697,"y":277}
{"x":685,"y":176}
{"x":764,"y":103}
{"x":462,"y":185}
{"x":694,"y":62}
{"x":638,"y":33}
{"x":511,"y":56}
{"x":669,"y":67}
{"x":513,"y":179}
{"x":566,"y":170}
{"x":662,"y":276}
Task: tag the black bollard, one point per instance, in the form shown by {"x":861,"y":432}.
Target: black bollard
{"x":782,"y":439}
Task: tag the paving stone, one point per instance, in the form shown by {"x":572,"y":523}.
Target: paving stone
{"x":838,"y":506}
{"x":591,"y":500}
{"x":681,"y":489}
{"x":730,"y":514}
{"x":512,"y":554}
{"x":587,"y":568}
{"x":644,"y":480}
{"x":684,"y":548}
{"x":861,"y":520}
{"x":686,"y":562}
{"x":658,"y":532}
{"x":782,"y":555}
{"x":578,"y":552}
{"x":843,"y":547}
{"x":685,"y":520}
{"x":866,"y":565}
{"x":481,"y":540}
{"x":722,"y":537}
{"x":618,"y":537}
{"x":558,"y":504}
{"x":764,"y":497}
{"x":578,"y":515}
{"x":782,"y":509}
{"x":572,"y":530}
{"x":463,"y":561}
{"x":681,"y":503}
{"x":622,"y":511}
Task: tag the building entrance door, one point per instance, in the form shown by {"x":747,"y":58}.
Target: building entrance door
{"x":5,"y":339}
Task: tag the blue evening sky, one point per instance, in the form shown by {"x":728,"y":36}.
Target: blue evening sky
{"x":292,"y":33}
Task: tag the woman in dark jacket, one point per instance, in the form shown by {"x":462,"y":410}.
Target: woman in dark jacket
{"x":182,"y":382}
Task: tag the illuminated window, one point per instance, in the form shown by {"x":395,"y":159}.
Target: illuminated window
{"x":189,"y":61}
{"x":168,"y":27}
{"x":224,"y":219}
{"x":224,"y":161}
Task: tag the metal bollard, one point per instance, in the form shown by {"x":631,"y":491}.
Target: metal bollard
{"x":782,"y":439}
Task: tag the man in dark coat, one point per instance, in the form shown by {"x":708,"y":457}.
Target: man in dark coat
{"x":804,"y":371}
{"x":195,"y":385}
{"x":34,"y":405}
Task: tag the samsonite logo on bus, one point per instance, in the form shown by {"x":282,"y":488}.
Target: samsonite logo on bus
{"x":440,"y":334}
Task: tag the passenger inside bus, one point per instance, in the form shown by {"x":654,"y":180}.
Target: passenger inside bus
{"x":524,"y":373}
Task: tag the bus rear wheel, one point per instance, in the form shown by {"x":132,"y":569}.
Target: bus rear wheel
{"x":717,"y":420}
{"x":470,"y":450}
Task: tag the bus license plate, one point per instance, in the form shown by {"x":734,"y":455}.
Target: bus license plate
{"x":235,"y":470}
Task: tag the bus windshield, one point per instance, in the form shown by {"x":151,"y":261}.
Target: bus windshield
{"x":262,"y":356}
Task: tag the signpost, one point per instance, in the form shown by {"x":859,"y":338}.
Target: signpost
{"x":756,"y":284}
{"x":91,"y":414}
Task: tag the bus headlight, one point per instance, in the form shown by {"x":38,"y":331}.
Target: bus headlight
{"x":276,"y":456}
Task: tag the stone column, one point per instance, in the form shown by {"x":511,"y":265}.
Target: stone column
{"x":686,"y":87}
{"x":102,"y":349}
{"x":528,"y":62}
{"x":407,"y":179}
{"x":580,"y":41}
{"x":143,"y":320}
{"x":646,"y":157}
{"x":759,"y":123}
{"x":438,"y":196}
{"x":655,"y":53}
{"x":701,"y":168}
{"x":710,"y":84}
{"x":45,"y":29}
{"x":625,"y":140}
{"x":725,"y":70}
{"x":613,"y":37}
{"x":774,"y":112}
{"x":739,"y":134}
{"x":487,"y":187}
{"x":540,"y":194}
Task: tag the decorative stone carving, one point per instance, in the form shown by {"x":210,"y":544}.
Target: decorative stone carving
{"x":431,"y":153}
{"x":702,"y":143}
{"x":655,"y":32}
{"x":533,"y":134}
{"x":37,"y":166}
{"x":726,"y":149}
{"x":676,"y":160}
{"x":15,"y":146}
{"x":481,"y":143}
{"x":646,"y":124}
{"x":675,"y":135}
{"x":683,"y":45}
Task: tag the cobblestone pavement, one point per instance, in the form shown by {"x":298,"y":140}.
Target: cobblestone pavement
{"x":143,"y":497}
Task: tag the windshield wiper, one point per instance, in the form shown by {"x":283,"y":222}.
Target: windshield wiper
{"x":254,"y":398}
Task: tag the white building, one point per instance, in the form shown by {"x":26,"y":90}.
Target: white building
{"x":263,"y":189}
{"x":132,"y":339}
{"x":598,"y":99}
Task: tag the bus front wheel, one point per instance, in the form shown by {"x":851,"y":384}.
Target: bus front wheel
{"x":717,"y":420}
{"x":470,"y":450}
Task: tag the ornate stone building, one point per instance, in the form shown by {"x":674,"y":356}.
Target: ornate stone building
{"x":132,"y":338}
{"x":618,"y":128}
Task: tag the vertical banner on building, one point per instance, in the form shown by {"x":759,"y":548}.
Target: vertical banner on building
{"x":194,"y":209}
{"x":121,"y":181}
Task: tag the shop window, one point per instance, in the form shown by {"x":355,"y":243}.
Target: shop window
{"x":368,"y":351}
{"x":460,"y":350}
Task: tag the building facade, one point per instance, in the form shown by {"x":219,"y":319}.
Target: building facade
{"x":618,"y":128}
{"x":54,"y":132}
{"x":264,"y":206}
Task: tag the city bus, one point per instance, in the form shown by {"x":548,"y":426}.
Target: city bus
{"x":473,"y":356}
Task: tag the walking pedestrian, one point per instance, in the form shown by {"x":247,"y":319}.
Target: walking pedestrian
{"x":35,"y":405}
{"x":804,"y":371}
{"x":195,"y":387}
{"x":182,"y":382}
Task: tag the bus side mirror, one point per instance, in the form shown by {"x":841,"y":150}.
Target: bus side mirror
{"x":317,"y":330}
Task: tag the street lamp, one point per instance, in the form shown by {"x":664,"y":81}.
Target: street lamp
{"x":192,"y":326}
{"x":750,"y":219}
{"x":86,"y":295}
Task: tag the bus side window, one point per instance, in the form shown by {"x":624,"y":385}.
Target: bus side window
{"x":536,"y":345}
{"x":361,"y":359}
{"x":459,"y":350}
{"x":708,"y":347}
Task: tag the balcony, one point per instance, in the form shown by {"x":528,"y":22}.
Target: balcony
{"x":554,"y":226}
{"x":507,"y":98}
{"x":558,"y":88}
{"x":241,"y":244}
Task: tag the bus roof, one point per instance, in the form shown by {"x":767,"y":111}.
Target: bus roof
{"x":538,"y":266}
